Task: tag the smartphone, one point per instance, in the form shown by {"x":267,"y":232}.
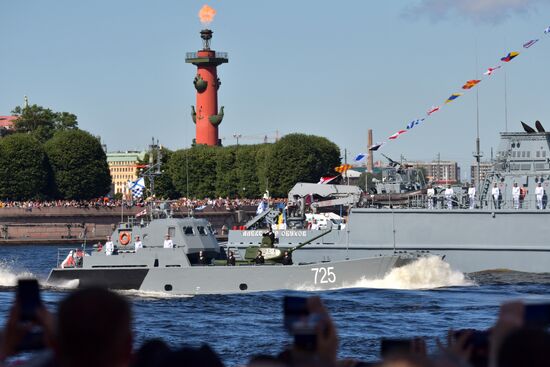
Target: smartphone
{"x":28,"y":296}
{"x":479,"y":342}
{"x":300,"y":323}
{"x":391,"y":346}
{"x":537,"y":315}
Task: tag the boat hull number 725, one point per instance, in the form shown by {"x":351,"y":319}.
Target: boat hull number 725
{"x":324,"y":275}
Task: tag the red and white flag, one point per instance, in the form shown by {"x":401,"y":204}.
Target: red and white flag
{"x":433,"y":109}
{"x":490,"y":71}
{"x":326,"y":179}
{"x":394,"y":136}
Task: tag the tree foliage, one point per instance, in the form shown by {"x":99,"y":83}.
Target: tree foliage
{"x":79,"y":165}
{"x":42,"y":122}
{"x":164,"y":188}
{"x":300,"y":158}
{"x":248,"y":170}
{"x":24,"y":170}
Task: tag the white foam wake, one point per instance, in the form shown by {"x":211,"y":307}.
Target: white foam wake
{"x":151,"y":294}
{"x":425,"y":273}
{"x":9,"y":277}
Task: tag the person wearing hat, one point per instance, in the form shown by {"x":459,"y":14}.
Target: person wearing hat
{"x":168,"y":242}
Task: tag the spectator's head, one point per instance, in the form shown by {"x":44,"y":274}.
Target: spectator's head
{"x":193,"y":357}
{"x":526,"y":348}
{"x":94,"y":329}
{"x":150,"y":353}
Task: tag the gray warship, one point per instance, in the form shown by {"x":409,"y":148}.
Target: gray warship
{"x":496,"y":234}
{"x":179,"y":269}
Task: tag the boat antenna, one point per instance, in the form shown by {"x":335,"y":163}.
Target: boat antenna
{"x":477,"y":154}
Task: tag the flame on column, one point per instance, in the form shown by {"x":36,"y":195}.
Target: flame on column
{"x":206,"y":14}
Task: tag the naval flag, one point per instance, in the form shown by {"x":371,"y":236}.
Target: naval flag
{"x":137,"y":187}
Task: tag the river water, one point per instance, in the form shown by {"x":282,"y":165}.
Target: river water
{"x":423,"y":299}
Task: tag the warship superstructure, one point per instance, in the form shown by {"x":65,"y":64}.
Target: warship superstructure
{"x":498,"y":233}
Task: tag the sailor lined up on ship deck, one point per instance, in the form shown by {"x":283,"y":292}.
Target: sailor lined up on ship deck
{"x":472,"y":196}
{"x":203,"y":260}
{"x":168,"y":242}
{"x":539,"y":193}
{"x":515,"y":195}
{"x":259,"y":259}
{"x":449,"y":196}
{"x":138,"y":244}
{"x":431,"y":197}
{"x":109,"y":246}
{"x":495,"y":193}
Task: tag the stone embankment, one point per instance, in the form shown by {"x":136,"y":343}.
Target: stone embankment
{"x":64,"y":225}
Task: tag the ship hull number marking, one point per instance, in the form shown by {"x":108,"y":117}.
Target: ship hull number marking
{"x":324,"y":275}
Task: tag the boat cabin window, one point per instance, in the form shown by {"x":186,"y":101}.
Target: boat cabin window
{"x":188,"y":231}
{"x":202,"y":231}
{"x":544,"y":153}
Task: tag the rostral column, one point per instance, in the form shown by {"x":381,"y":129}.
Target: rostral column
{"x":205,"y":114}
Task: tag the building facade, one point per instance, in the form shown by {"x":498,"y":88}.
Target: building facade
{"x":439,"y":172}
{"x":484,"y":168}
{"x":123,"y":167}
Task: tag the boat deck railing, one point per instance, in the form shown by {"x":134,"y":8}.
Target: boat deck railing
{"x":462,"y":202}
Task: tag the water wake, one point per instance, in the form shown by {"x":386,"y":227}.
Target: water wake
{"x":9,"y":276}
{"x":151,"y":294}
{"x":425,"y":273}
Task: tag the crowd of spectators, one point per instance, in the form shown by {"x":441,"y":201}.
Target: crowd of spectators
{"x":181,"y":204}
{"x":103,"y":337}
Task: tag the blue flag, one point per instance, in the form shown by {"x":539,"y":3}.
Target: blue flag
{"x":360,"y":157}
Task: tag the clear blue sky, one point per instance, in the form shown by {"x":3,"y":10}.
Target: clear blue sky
{"x":328,"y":68}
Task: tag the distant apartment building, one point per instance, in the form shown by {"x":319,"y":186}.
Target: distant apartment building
{"x":439,"y":172}
{"x":123,"y":167}
{"x":484,"y":168}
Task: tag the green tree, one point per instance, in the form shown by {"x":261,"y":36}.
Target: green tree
{"x":42,"y":122}
{"x":247,"y":172}
{"x":196,"y":166}
{"x":79,"y":165}
{"x":24,"y":170}
{"x":164,"y":187}
{"x":227,"y":182}
{"x":300,"y":158}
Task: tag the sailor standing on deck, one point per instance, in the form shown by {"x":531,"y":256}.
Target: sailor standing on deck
{"x":168,"y":242}
{"x":495,"y":193}
{"x":515,"y":195}
{"x":138,"y":245}
{"x":109,"y":246}
{"x":449,"y":196}
{"x":472,"y":196}
{"x":431,"y":197}
{"x":539,"y":193}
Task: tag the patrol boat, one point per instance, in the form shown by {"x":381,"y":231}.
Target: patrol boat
{"x":497,"y":234}
{"x":178,"y":270}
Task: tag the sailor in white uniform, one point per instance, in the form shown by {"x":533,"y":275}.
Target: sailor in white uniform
{"x":109,"y":246}
{"x":449,"y":196}
{"x":495,"y":193}
{"x":539,"y":193}
{"x":168,"y":242}
{"x":138,"y":245}
{"x":472,"y":196}
{"x":431,"y":197}
{"x":515,"y":195}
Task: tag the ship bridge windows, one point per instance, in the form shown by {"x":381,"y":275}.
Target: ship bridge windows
{"x":202,"y":231}
{"x":188,"y":231}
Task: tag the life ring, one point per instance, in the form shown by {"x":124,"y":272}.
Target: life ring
{"x":124,"y":238}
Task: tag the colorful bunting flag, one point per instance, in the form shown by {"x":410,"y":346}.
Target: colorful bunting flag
{"x":547,"y":30}
{"x":510,"y":56}
{"x":360,"y":157}
{"x":471,"y":83}
{"x":530,"y":43}
{"x":376,"y":146}
{"x":343,"y":168}
{"x":413,"y":123}
{"x":490,"y":71}
{"x":394,"y":136}
{"x":433,"y":110}
{"x":453,"y":97}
